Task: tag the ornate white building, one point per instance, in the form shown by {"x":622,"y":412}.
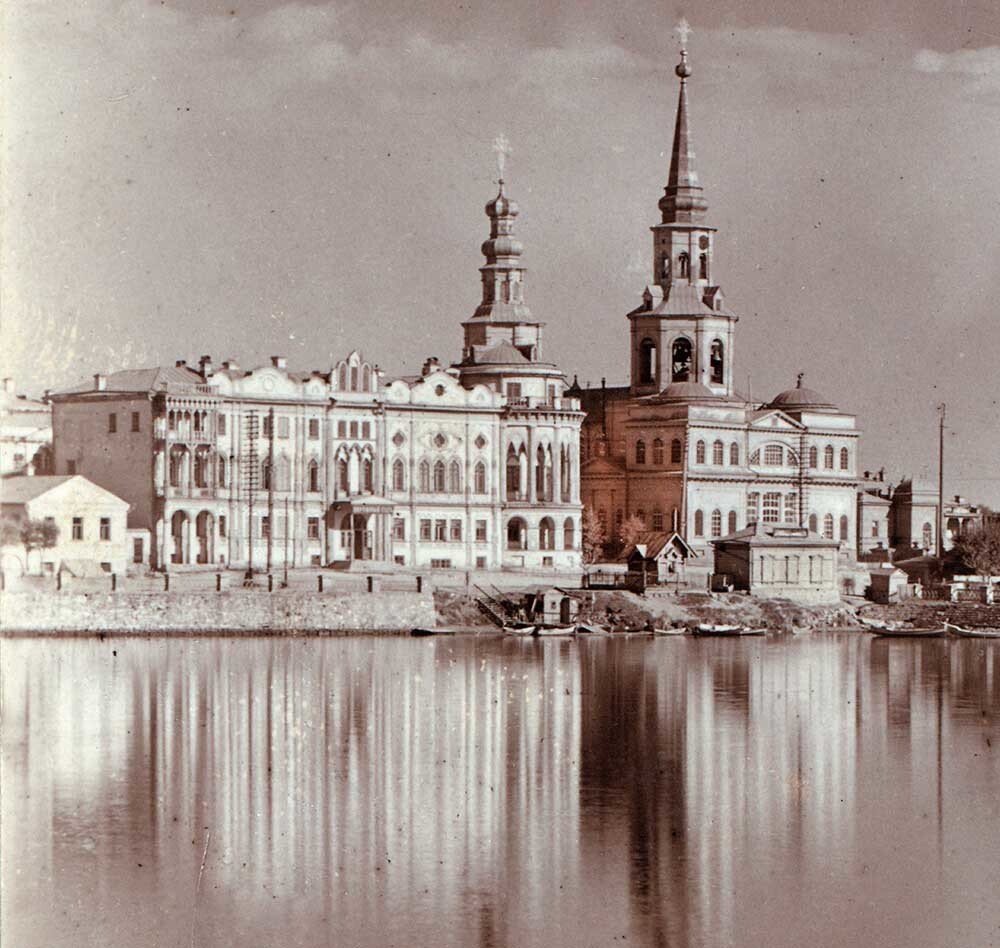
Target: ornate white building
{"x":473,"y":466}
{"x":679,"y":447}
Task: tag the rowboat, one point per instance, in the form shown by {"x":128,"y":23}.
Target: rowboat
{"x":732,"y":630}
{"x":985,"y":633}
{"x":586,"y":628}
{"x":673,"y":630}
{"x":912,"y":632}
{"x":547,"y":630}
{"x":420,"y":632}
{"x":519,"y":628}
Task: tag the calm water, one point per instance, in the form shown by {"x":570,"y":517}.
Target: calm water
{"x":823,"y":790}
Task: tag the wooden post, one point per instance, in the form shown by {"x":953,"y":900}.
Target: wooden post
{"x":166,"y":582}
{"x":270,"y":582}
{"x":319,"y":583}
{"x":370,"y":583}
{"x":59,"y":581}
{"x":420,"y":584}
{"x":218,"y":582}
{"x":114,"y":581}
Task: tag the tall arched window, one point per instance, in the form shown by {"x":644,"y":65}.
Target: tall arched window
{"x":398,"y":474}
{"x":513,"y":475}
{"x":814,"y":457}
{"x":716,"y":362}
{"x":813,"y":523}
{"x":569,"y":534}
{"x":927,"y":536}
{"x":282,"y":473}
{"x":220,"y":467}
{"x":640,"y":452}
{"x":479,"y":478}
{"x":367,"y":476}
{"x":703,"y":266}
{"x":343,"y":474}
{"x":517,"y":534}
{"x":312,"y":476}
{"x":543,"y":473}
{"x":828,"y":526}
{"x":684,"y":265}
{"x":699,"y":452}
{"x":354,"y":378}
{"x":546,"y":534}
{"x":732,"y":521}
{"x":265,"y":474}
{"x":844,"y":527}
{"x":699,"y":523}
{"x":342,"y":378}
{"x":658,"y":452}
{"x":675,"y":451}
{"x":716,"y":523}
{"x":455,"y":477}
{"x":366,"y":379}
{"x":425,"y":476}
{"x":718,"y":453}
{"x":439,"y":479}
{"x":845,"y":459}
{"x":680,"y":366}
{"x":734,"y":453}
{"x":828,"y":457}
{"x":647,"y":362}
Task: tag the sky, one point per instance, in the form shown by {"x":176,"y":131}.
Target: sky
{"x":248,"y":178}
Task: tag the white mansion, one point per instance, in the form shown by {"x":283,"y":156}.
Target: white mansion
{"x":475,"y":466}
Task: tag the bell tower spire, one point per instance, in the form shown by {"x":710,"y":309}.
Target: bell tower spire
{"x":683,"y":199}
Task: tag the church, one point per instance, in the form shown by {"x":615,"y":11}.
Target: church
{"x":679,"y":447}
{"x":472,"y":466}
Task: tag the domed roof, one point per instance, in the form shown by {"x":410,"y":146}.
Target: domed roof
{"x":687,"y":390}
{"x":801,"y":398}
{"x":503,"y":353}
{"x":501,"y":205}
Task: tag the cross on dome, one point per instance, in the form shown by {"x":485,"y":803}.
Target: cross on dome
{"x":501,"y":147}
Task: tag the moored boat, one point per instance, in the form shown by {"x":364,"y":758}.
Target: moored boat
{"x":519,"y":628}
{"x":419,"y":632}
{"x":706,"y":629}
{"x":546,"y":630}
{"x":673,"y":630}
{"x":981,"y":633}
{"x":910,"y":632}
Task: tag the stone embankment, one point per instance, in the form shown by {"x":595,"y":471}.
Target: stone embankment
{"x":240,"y":612}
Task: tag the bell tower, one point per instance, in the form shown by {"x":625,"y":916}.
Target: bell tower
{"x":683,"y":331}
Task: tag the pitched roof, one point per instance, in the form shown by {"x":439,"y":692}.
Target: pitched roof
{"x":776,"y":534}
{"x":655,"y":542}
{"x":21,"y":489}
{"x":141,"y":380}
{"x":503,"y":353}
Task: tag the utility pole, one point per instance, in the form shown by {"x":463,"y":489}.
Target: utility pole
{"x":287,"y":531}
{"x":938,"y":531}
{"x":251,"y":472}
{"x":270,"y":484}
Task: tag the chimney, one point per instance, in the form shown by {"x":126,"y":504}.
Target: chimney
{"x":205,"y":366}
{"x":231,"y":365}
{"x":431,"y":365}
{"x":279,"y":362}
{"x":180,"y":363}
{"x":100,"y":383}
{"x":8,"y":386}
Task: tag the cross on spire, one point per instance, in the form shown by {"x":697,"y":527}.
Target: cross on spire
{"x":501,"y":147}
{"x":683,"y":31}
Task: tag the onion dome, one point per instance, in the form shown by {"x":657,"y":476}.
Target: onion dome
{"x":501,"y":205}
{"x":687,"y":390}
{"x":503,"y":272}
{"x":801,"y":399}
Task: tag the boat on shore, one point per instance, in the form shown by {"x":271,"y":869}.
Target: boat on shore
{"x":704,"y":628}
{"x":552,"y":630}
{"x":420,"y":632}
{"x":980,"y":633}
{"x":909,"y":632}
{"x":673,"y":630}
{"x":519,"y":628}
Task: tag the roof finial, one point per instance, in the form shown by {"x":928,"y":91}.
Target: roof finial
{"x":501,"y":147}
{"x":683,"y":31}
{"x":799,"y":378}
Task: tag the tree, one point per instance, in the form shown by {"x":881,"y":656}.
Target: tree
{"x":10,"y":533}
{"x":980,"y":549}
{"x":594,"y":536}
{"x":39,"y":535}
{"x":631,"y":530}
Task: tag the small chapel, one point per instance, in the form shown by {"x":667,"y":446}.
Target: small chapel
{"x":679,"y":447}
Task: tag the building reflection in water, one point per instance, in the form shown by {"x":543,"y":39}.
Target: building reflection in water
{"x":499,"y":792}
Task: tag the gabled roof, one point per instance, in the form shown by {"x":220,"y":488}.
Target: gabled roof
{"x":756,"y":417}
{"x":777,"y":534}
{"x":605,"y":465}
{"x":21,"y":489}
{"x":652,"y":544}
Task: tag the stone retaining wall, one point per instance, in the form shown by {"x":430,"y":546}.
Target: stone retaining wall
{"x":227,"y":612}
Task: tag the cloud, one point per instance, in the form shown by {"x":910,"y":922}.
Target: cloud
{"x":982,"y":65}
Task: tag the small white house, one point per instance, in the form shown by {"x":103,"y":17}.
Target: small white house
{"x":91,"y":525}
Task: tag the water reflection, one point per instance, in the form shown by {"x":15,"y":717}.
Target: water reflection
{"x":498,"y":792}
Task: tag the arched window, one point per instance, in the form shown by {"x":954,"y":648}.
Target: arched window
{"x":684,"y":265}
{"x":844,"y":527}
{"x":343,"y":474}
{"x":828,"y":457}
{"x":828,"y":526}
{"x":398,"y":474}
{"x":425,"y":476}
{"x":703,"y":266}
{"x":647,"y":362}
{"x":927,"y":536}
{"x":716,"y":523}
{"x":479,"y":478}
{"x":814,"y":457}
{"x":201,"y":474}
{"x":734,"y":453}
{"x":569,"y":534}
{"x":282,"y":473}
{"x":367,"y":476}
{"x":699,"y":452}
{"x":366,"y":379}
{"x":680,"y":370}
{"x":517,"y":534}
{"x":675,"y":451}
{"x":439,"y":480}
{"x":543,"y":473}
{"x":753,"y":505}
{"x":640,"y":452}
{"x":699,"y":523}
{"x":546,"y":534}
{"x":845,"y":459}
{"x":732,"y":521}
{"x":658,"y":452}
{"x":342,"y":378}
{"x":813,"y":523}
{"x":265,"y":474}
{"x":354,"y":378}
{"x":221,"y":468}
{"x":455,"y":477}
{"x":312,"y":476}
{"x":716,"y":363}
{"x":718,"y":453}
{"x":513,"y":475}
